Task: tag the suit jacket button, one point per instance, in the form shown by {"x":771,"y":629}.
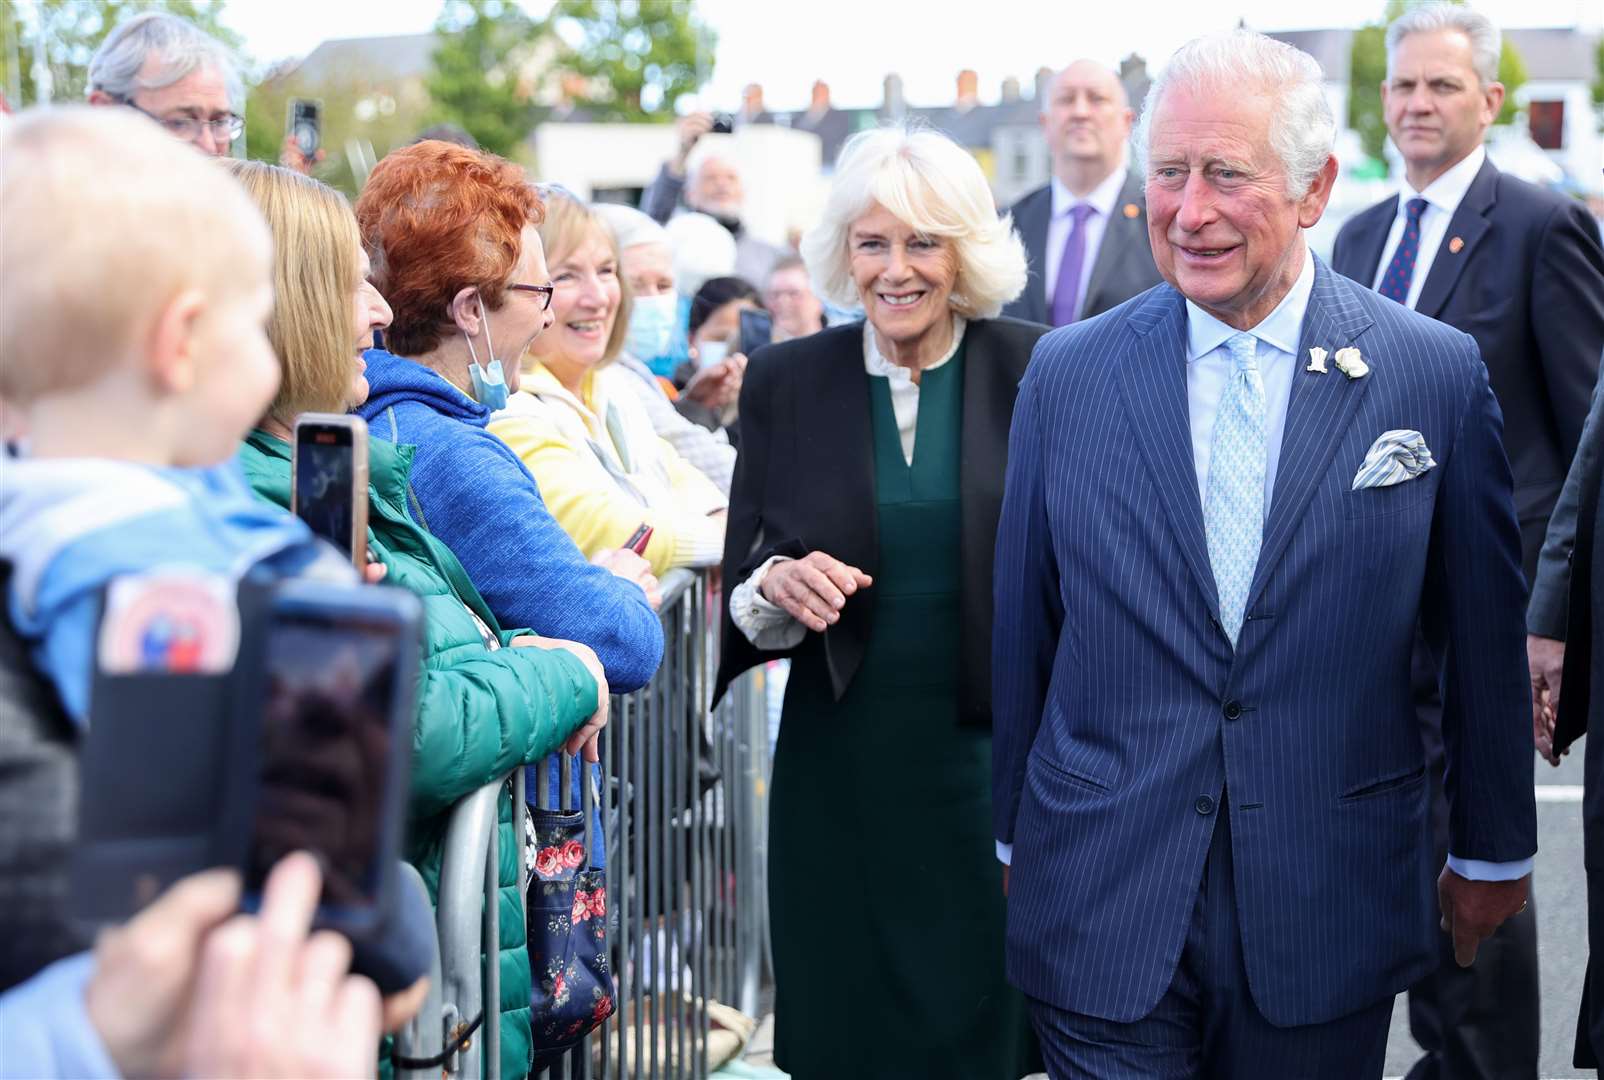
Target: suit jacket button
{"x":1204,"y":805}
{"x":1232,"y":710}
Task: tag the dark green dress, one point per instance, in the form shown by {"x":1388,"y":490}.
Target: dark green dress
{"x":884,"y":889}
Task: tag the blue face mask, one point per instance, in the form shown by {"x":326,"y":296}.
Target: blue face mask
{"x":709,"y":353}
{"x":488,"y":383}
{"x":651,"y":326}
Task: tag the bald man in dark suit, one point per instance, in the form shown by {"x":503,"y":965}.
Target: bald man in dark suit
{"x":1085,"y":231}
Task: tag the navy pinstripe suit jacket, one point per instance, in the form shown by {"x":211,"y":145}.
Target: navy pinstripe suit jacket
{"x":1123,"y":714}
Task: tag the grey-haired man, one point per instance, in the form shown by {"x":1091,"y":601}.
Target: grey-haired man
{"x":175,"y":73}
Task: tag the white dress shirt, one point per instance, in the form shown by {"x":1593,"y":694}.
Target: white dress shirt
{"x":768,"y":625}
{"x":1443,"y":196}
{"x":1101,"y":199}
{"x":1208,"y":364}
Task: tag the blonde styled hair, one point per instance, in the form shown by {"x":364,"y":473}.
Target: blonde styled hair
{"x":104,"y":220}
{"x":568,"y":224}
{"x":936,"y":188}
{"x":315,"y":271}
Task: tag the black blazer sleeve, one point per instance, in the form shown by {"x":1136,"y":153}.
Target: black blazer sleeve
{"x":1568,"y":314}
{"x":803,"y":479}
{"x":1548,"y":609}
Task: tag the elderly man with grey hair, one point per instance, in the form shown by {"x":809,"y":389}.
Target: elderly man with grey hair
{"x":175,"y":73}
{"x":1521,"y":270}
{"x":709,"y":183}
{"x":1230,"y":503}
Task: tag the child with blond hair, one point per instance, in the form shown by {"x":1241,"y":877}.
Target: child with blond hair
{"x":133,"y":358}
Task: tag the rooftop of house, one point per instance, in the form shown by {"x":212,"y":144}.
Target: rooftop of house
{"x":399,"y":57}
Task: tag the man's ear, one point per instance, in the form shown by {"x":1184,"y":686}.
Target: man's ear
{"x":100,"y":97}
{"x":1313,"y":205}
{"x":173,"y":355}
{"x":1494,"y":100}
{"x":464,"y":310}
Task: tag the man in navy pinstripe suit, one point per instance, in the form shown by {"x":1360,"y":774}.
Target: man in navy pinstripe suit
{"x":1230,"y":501}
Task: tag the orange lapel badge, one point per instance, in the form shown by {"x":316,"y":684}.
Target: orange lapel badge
{"x":1456,"y":245}
{"x":1132,"y":210}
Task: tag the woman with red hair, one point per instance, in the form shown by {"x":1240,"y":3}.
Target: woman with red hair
{"x":451,"y":233}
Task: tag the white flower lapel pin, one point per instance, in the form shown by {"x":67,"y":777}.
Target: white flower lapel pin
{"x":1350,"y":363}
{"x":1317,"y":360}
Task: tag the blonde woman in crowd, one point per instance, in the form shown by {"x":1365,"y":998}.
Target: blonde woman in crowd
{"x":490,"y":698}
{"x":581,"y":429}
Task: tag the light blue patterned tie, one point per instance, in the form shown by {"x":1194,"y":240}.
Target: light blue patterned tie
{"x":1233,"y":512}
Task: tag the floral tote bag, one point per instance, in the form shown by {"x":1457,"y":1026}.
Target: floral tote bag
{"x":566,"y":909}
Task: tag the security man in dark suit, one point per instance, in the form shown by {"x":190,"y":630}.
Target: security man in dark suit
{"x":1085,"y":232}
{"x":1521,"y":270}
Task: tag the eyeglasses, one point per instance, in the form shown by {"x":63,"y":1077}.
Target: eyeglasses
{"x":229,"y":126}
{"x":543,"y":291}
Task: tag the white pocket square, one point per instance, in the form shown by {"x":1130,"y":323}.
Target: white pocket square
{"x":1394,"y":457}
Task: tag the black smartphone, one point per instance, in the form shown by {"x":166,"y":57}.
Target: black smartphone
{"x":304,"y":123}
{"x":337,"y":697}
{"x":300,"y":739}
{"x":329,"y":480}
{"x":757,"y":329}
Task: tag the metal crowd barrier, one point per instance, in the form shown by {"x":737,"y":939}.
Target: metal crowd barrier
{"x":683,"y":807}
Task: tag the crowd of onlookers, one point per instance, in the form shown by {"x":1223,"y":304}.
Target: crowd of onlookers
{"x":562,"y":407}
{"x":550,"y":388}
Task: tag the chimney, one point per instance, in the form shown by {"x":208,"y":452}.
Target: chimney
{"x":1010,"y":91}
{"x":752,"y":100}
{"x":968,"y":90}
{"x":1133,"y":74}
{"x":820,"y":102}
{"x":1044,"y":81}
{"x":893,"y":105}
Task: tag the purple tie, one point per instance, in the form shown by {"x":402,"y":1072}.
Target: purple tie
{"x":1395,"y":282}
{"x":1067,"y":289}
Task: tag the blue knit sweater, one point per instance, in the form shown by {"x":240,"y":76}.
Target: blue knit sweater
{"x":474,"y":494}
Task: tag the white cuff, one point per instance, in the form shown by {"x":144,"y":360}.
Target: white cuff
{"x":698,"y":541}
{"x":1477,"y":870}
{"x":766,"y":625}
{"x":1005,"y":853}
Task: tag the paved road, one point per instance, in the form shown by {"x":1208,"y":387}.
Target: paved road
{"x":1561,"y":924}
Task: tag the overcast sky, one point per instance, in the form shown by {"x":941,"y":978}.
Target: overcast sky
{"x":852,"y":44}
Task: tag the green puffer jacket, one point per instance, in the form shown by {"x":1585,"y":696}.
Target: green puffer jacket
{"x":481,"y":712}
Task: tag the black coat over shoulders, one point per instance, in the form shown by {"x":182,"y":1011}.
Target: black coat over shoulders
{"x":804,"y":482}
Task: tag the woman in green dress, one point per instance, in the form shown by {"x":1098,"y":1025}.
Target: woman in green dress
{"x":860,"y":537}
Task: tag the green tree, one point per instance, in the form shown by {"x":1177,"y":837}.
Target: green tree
{"x":364,"y":107}
{"x":71,"y":31}
{"x":1367,"y":69}
{"x":1598,"y":83}
{"x":1512,"y":73}
{"x":479,"y":76}
{"x":636,"y":57}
